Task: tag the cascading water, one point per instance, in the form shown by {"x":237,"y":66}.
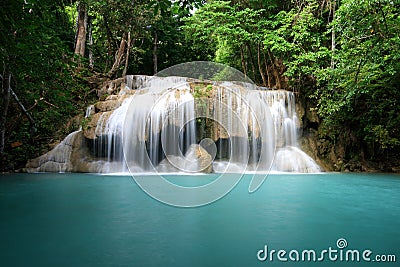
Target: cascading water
{"x":158,"y":126}
{"x":154,"y":129}
{"x":289,"y":157}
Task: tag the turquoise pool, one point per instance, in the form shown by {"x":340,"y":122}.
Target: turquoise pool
{"x":96,"y":220}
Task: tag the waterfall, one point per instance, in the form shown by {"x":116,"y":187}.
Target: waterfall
{"x":157,"y":128}
{"x":178,"y":124}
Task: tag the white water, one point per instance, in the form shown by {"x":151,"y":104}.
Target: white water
{"x":158,"y":124}
{"x":155,"y":123}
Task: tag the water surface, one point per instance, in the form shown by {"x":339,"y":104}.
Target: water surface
{"x":94,"y":220}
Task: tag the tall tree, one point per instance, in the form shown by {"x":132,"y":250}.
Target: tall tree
{"x":239,"y":27}
{"x":362,"y":91}
{"x":82,"y":27}
{"x":35,"y":44}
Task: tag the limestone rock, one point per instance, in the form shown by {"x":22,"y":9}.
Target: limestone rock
{"x":196,"y":159}
{"x":201,"y":159}
{"x":300,"y":111}
{"x":111,"y":87}
{"x":90,"y":129}
{"x":70,"y":155}
{"x":312,"y":115}
{"x":107,"y":105}
{"x":56,"y":160}
{"x":112,"y":97}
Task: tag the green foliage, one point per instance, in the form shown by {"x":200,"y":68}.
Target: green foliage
{"x":226,"y":27}
{"x":36,"y":44}
{"x":381,"y":136}
{"x":299,"y":37}
{"x":202,"y":90}
{"x":344,"y":56}
{"x":362,"y":91}
{"x":341,"y":55}
{"x":85,"y":123}
{"x":143,"y":19}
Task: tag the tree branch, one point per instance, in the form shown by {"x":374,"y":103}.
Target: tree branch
{"x":21,"y":106}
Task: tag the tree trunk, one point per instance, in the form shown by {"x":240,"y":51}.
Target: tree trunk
{"x":333,"y":35}
{"x":81,"y":30}
{"x":260,"y":68}
{"x":21,"y":106}
{"x":110,"y":42}
{"x":6,"y":101}
{"x":155,"y":63}
{"x":243,"y":61}
{"x":275,"y":71}
{"x":266,"y":68}
{"x":128,"y":48}
{"x":91,"y":60}
{"x":118,"y":57}
{"x":253,"y":65}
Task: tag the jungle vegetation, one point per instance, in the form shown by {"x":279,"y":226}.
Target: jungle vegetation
{"x":341,"y":56}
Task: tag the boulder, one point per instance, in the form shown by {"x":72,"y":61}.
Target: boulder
{"x":200,"y":158}
{"x":70,"y":155}
{"x":91,"y":129}
{"x":106,"y":105}
{"x":196,"y":159}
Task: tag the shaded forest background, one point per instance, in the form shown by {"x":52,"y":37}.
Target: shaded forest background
{"x":341,"y":57}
